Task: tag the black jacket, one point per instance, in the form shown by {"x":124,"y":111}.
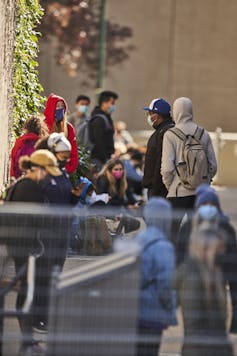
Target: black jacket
{"x":101,"y":133}
{"x":152,"y":177}
{"x":26,"y":190}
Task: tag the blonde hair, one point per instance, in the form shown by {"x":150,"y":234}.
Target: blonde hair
{"x":203,"y":248}
{"x":204,"y":243}
{"x":107,"y":172}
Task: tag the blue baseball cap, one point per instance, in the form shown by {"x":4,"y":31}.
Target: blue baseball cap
{"x":159,"y":106}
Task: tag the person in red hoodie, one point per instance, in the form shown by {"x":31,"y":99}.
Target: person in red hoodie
{"x":56,"y":120}
{"x":34,"y":128}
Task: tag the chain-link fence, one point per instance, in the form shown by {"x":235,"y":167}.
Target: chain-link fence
{"x":112,"y":273}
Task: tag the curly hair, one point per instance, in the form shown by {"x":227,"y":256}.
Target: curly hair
{"x":36,"y":125}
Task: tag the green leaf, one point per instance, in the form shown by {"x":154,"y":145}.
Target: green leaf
{"x":26,"y":86}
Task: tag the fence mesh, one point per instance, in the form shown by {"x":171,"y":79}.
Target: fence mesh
{"x":88,"y":282}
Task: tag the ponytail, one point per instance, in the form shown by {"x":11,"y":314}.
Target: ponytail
{"x":25,"y":163}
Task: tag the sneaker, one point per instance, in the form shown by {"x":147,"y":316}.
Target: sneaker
{"x":40,"y":328}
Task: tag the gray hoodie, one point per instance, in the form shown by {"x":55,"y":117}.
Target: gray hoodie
{"x":172,"y":149}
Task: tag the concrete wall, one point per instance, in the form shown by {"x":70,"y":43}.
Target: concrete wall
{"x":183,"y":48}
{"x":7,"y":35}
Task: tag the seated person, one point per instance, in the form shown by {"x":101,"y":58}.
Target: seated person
{"x":112,"y":180}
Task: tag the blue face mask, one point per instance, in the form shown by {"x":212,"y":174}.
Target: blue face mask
{"x":59,"y":114}
{"x":208,"y":212}
{"x":83,"y":109}
{"x":112,"y":109}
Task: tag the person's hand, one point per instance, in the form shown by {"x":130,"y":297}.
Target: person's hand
{"x":78,"y":190}
{"x":135,"y":206}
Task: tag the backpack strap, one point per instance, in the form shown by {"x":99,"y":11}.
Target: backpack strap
{"x":177,"y":132}
{"x":199,"y":133}
{"x":106,"y":120}
{"x":181,"y":135}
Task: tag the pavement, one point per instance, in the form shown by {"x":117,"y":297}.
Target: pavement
{"x":172,"y":338}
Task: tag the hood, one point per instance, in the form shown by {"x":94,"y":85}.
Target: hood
{"x":206,"y":194}
{"x":182,"y":110}
{"x":50,"y":108}
{"x":28,"y":137}
{"x":87,"y":183}
{"x":158,"y":213}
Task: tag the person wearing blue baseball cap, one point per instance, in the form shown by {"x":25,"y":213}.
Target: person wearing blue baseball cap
{"x":159,"y":118}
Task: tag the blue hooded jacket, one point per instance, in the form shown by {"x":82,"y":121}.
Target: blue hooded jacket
{"x":157,"y":296}
{"x":88,"y":184}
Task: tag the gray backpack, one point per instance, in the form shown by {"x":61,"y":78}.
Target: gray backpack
{"x":193,"y":169}
{"x":84,"y":135}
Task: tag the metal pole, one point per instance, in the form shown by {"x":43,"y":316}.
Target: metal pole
{"x":171,"y":53}
{"x":102,"y":47}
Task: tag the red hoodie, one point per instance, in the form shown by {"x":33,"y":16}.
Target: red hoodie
{"x":51,"y":103}
{"x":27,"y":140}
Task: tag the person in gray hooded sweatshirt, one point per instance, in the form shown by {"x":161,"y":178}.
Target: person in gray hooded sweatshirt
{"x":179,"y":196}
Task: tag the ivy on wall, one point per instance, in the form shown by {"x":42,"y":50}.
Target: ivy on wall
{"x":26,"y":86}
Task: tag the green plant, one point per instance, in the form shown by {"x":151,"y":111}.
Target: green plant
{"x":26,"y":86}
{"x":83,"y":169}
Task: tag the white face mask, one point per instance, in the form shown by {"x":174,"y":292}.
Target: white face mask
{"x":149,"y":120}
{"x":83,"y":109}
{"x":208,"y":212}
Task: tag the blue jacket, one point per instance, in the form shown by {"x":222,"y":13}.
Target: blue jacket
{"x":57,"y":190}
{"x":131,"y":172}
{"x":157,"y":296}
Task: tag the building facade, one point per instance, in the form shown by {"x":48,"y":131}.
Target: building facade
{"x":183,"y":48}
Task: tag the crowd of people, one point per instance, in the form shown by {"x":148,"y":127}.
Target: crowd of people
{"x":188,"y":249}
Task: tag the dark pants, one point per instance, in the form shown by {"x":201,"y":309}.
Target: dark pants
{"x":44,"y":269}
{"x":149,"y":342}
{"x":181,"y":206}
{"x":25,"y":322}
{"x":183,"y":203}
{"x":161,"y":194}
